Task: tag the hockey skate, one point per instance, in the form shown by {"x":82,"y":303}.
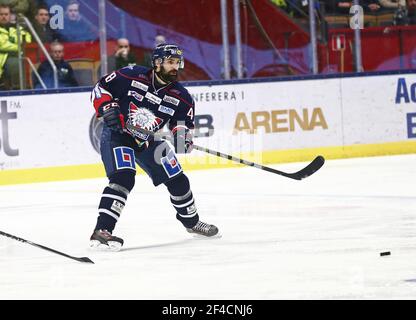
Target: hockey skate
{"x":102,"y":240}
{"x":204,"y":229}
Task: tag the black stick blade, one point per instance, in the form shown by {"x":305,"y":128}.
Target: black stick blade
{"x":310,"y":169}
{"x":85,"y":259}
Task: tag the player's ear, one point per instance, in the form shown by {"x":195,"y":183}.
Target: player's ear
{"x":157,"y":64}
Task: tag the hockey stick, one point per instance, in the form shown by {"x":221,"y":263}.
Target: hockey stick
{"x":83,"y":259}
{"x":311,"y":168}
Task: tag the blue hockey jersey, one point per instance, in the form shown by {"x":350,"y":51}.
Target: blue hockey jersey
{"x":144,"y":102}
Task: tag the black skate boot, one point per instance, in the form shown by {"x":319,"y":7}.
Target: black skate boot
{"x":103,"y":240}
{"x":204,"y":229}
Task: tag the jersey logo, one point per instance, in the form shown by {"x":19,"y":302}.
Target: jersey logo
{"x":191,"y":209}
{"x":143,"y":118}
{"x":171,"y":165}
{"x":140,"y":135}
{"x":135,"y":95}
{"x":152,"y":98}
{"x":171,"y":100}
{"x":117,"y":206}
{"x":139,"y":85}
{"x":124,"y":157}
{"x":166,"y":110}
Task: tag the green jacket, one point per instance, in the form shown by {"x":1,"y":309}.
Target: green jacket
{"x":26,"y":7}
{"x":279,"y":3}
{"x":19,"y":6}
{"x":8,"y":42}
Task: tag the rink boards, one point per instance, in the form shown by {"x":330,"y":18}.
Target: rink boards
{"x":56,"y":136}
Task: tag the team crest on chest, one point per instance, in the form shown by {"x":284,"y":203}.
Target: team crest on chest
{"x":143,"y":118}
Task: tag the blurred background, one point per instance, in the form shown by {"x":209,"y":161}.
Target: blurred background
{"x":72,"y":43}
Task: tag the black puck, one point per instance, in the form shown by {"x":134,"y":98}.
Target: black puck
{"x":387,"y":253}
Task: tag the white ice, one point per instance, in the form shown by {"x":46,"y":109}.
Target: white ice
{"x":319,"y":238}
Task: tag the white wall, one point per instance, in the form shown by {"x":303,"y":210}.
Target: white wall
{"x":53,"y":129}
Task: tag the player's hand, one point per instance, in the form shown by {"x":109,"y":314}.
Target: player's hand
{"x":114,"y":119}
{"x":182,"y":140}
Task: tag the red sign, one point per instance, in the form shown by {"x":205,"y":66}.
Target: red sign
{"x":338,"y":42}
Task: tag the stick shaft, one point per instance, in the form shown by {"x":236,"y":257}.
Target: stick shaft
{"x":43,"y":247}
{"x":315,"y":165}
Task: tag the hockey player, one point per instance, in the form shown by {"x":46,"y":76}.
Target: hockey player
{"x":149,"y":99}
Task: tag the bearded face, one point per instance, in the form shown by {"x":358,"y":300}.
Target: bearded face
{"x":411,"y":5}
{"x":167,"y":76}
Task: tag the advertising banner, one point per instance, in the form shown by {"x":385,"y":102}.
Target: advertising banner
{"x":52,"y":130}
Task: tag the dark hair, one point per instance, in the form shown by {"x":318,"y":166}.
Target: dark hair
{"x":42,"y":7}
{"x":71,"y":2}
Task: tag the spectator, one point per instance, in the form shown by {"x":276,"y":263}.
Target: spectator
{"x":411,"y":9}
{"x":25,"y":7}
{"x":281,"y":4}
{"x":343,"y":7}
{"x":392,"y":4}
{"x":300,"y":8}
{"x":337,"y":7}
{"x":9,"y":62}
{"x":66,"y":76}
{"x":42,"y":27}
{"x":76,"y":27}
{"x":405,"y":11}
{"x":372,"y":6}
{"x":122,"y":57}
{"x":147,"y":57}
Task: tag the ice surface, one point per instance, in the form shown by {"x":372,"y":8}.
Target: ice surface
{"x":319,"y":238}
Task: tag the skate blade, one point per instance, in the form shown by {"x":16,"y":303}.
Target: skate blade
{"x":198,"y":236}
{"x":113,"y":246}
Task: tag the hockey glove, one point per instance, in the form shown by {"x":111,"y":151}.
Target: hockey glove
{"x":182,"y":140}
{"x":110,"y":112}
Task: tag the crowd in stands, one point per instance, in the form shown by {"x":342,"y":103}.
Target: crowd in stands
{"x":75,"y":27}
{"x":54,"y":35}
{"x":403,"y":12}
{"x":9,"y":70}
